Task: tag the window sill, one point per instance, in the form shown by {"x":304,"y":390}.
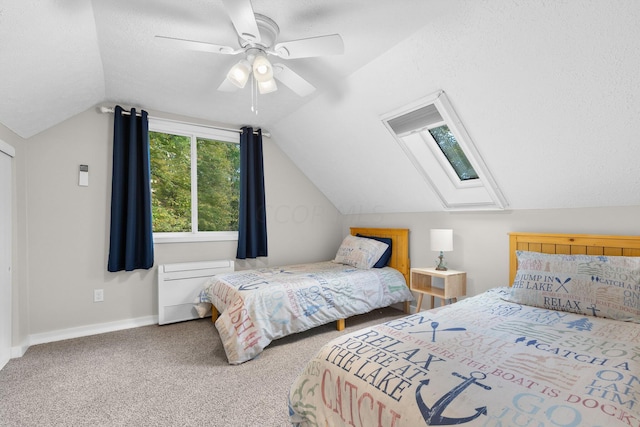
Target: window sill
{"x":217,"y":236}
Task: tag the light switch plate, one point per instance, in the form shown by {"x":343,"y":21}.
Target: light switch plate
{"x":83,"y":177}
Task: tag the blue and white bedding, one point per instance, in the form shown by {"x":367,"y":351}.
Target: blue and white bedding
{"x":483,"y":361}
{"x":258,"y":306}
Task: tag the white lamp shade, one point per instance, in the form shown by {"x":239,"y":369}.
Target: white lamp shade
{"x":441,"y":240}
{"x":239,"y":73}
{"x":262,"y":69}
{"x":267,"y":87}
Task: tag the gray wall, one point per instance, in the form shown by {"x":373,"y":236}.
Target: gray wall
{"x":63,"y":231}
{"x":480,"y":239}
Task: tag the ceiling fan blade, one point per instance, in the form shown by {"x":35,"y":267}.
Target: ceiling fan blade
{"x":243,"y":19}
{"x":196,"y":45}
{"x":314,"y":46}
{"x":292,"y":80}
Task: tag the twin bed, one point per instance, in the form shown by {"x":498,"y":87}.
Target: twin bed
{"x":538,"y":353}
{"x":254,"y":307}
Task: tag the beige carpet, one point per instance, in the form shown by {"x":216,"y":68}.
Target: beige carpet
{"x":172,"y":375}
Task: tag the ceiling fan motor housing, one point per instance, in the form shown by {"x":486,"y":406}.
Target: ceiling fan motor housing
{"x":269,"y":31}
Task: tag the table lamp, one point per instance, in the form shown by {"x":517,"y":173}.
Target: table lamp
{"x":441,"y":241}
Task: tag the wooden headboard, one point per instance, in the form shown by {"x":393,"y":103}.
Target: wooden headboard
{"x":585,"y":244}
{"x":399,"y":246}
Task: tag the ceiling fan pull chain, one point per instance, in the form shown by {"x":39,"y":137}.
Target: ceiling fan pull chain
{"x":254,"y":96}
{"x":253,"y":101}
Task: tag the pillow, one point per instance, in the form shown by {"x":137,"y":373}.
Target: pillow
{"x":360,"y":252}
{"x":386,"y":256}
{"x":601,"y":286}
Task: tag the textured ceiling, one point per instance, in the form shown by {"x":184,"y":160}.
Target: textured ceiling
{"x":549,"y":91}
{"x":58,"y":58}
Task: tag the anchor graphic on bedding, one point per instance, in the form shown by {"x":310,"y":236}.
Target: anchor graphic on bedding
{"x":433,"y":416}
{"x":252,"y":286}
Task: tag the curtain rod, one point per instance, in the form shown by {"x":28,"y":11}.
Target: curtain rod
{"x":128,"y":113}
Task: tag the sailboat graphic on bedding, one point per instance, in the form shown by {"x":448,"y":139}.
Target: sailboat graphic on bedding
{"x":433,"y":416}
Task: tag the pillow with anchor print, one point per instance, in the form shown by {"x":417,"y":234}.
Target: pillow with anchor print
{"x":601,"y":286}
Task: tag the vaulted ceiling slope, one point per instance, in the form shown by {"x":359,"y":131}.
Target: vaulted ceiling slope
{"x":548,"y":91}
{"x":58,"y":58}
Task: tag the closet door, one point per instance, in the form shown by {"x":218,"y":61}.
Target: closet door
{"x":6,"y":154}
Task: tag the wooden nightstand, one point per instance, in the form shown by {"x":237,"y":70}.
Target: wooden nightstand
{"x":455,"y":284}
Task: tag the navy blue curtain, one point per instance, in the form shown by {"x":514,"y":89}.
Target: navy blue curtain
{"x":252,"y":223}
{"x":131,"y":237}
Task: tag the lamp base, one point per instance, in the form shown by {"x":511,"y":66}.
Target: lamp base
{"x":441,"y":266}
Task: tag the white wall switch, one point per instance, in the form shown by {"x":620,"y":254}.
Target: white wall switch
{"x":83,"y":178}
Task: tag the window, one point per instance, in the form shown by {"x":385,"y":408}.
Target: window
{"x":195,"y":182}
{"x":436,"y":142}
{"x":452,"y":151}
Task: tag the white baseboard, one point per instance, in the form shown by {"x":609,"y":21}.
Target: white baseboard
{"x":19,"y":351}
{"x":82,"y":331}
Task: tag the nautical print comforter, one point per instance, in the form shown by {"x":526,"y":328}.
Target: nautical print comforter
{"x":480,"y":362}
{"x":258,"y":306}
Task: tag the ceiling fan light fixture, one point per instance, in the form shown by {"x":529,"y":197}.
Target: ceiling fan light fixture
{"x":239,"y":73}
{"x":262,"y":69}
{"x":267,"y":87}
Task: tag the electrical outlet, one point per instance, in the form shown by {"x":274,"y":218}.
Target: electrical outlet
{"x":98,"y":295}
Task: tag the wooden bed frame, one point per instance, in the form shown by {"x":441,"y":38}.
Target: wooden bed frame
{"x":570,"y":244}
{"x":399,"y":246}
{"x":399,"y":258}
{"x":399,"y":255}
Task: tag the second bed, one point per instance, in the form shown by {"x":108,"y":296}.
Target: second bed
{"x":258,"y":306}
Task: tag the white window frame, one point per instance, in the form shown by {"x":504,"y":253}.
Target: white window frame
{"x":475,"y":194}
{"x":193,"y":131}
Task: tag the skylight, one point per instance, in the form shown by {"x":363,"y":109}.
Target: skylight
{"x":436,"y":142}
{"x":448,"y":143}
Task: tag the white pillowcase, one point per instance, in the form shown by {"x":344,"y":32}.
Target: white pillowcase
{"x":360,"y":252}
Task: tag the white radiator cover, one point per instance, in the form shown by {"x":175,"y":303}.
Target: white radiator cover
{"x":179,"y":285}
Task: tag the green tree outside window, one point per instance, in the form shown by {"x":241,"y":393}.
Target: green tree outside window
{"x":218,"y":176}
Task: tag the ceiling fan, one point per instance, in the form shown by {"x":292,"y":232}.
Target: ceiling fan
{"x":257,"y":35}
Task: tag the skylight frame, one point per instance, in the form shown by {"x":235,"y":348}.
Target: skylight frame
{"x":454,"y":194}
